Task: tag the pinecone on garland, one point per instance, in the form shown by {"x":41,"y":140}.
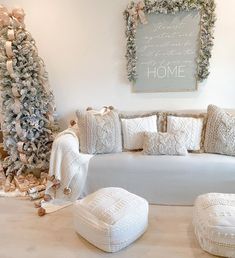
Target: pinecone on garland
{"x":27,"y":100}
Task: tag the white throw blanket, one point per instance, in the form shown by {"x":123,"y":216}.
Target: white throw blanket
{"x":69,"y":167}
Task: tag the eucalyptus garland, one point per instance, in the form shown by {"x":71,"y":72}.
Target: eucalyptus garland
{"x":207,"y":10}
{"x":27,"y":101}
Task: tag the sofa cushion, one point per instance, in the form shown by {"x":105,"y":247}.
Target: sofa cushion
{"x":111,"y":218}
{"x":133,"y":131}
{"x":164,"y":144}
{"x":99,"y":132}
{"x":192,"y":128}
{"x":220,"y":132}
{"x":161,"y":179}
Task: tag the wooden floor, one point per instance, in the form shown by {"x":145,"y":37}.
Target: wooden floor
{"x":23,"y":234}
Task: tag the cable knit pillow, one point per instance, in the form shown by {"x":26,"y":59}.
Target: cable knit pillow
{"x":99,"y":132}
{"x":133,"y":131}
{"x":164,"y":144}
{"x":192,"y":128}
{"x":220,"y":132}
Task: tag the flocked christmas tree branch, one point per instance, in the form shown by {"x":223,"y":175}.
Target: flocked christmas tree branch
{"x":27,"y":101}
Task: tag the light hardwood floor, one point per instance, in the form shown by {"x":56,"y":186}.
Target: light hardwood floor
{"x":23,"y":234}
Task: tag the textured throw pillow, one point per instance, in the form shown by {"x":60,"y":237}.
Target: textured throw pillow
{"x":133,"y":131}
{"x":192,"y":128}
{"x":164,"y":144}
{"x":99,"y":132}
{"x":220,"y":132}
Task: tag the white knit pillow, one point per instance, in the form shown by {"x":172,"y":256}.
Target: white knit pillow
{"x":192,"y":128}
{"x":133,"y":131}
{"x":99,"y":132}
{"x":164,"y":144}
{"x":220,"y":132}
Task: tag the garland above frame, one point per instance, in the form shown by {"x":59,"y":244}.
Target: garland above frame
{"x":136,"y":12}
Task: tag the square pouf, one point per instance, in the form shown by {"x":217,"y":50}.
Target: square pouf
{"x":214,"y":223}
{"x":111,"y":218}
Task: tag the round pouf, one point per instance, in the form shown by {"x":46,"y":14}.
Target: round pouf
{"x":111,"y":218}
{"x":214,"y":223}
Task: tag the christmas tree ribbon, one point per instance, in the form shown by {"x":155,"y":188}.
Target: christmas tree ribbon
{"x":18,"y":15}
{"x":10,"y":54}
{"x":20,"y":146}
{"x":19,"y":130}
{"x":8,"y":47}
{"x":10,"y":68}
{"x":137,"y":12}
{"x":11,"y":34}
{"x":16,"y":106}
{"x":4,"y":17}
{"x":15,"y":91}
{"x":50,"y":117}
{"x":23,"y":158}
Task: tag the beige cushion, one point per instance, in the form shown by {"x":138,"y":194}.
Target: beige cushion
{"x":133,"y":131}
{"x":214,"y":223}
{"x":111,"y":218}
{"x":192,"y":128}
{"x":99,"y":132}
{"x":220,"y":132}
{"x":164,"y":144}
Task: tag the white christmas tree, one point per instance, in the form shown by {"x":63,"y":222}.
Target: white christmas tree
{"x":27,"y":101}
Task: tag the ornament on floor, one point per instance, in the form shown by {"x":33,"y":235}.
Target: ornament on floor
{"x":41,"y":212}
{"x":27,"y":101}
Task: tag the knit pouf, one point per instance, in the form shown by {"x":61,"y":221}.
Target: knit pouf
{"x":111,"y":218}
{"x":214,"y":223}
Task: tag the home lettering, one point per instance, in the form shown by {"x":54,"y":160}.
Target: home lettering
{"x":162,"y":72}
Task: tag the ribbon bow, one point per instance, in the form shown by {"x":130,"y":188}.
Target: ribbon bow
{"x":137,"y":13}
{"x":6,"y":17}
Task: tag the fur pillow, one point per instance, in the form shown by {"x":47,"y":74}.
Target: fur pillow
{"x":220,"y":132}
{"x":164,"y":144}
{"x":99,"y":131}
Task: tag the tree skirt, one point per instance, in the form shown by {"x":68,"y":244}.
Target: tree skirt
{"x":15,"y":193}
{"x":28,"y":186}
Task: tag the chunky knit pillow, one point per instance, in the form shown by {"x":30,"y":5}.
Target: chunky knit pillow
{"x":99,"y":132}
{"x":220,"y":132}
{"x":164,"y":144}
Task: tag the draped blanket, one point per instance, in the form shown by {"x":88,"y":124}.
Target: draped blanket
{"x":69,"y":168}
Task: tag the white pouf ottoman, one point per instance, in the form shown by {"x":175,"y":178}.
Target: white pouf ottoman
{"x":111,"y":218}
{"x":214,"y":223}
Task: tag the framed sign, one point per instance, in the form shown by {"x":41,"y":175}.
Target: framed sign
{"x":169,"y":44}
{"x":167,"y":50}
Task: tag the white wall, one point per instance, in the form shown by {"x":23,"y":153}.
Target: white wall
{"x":83,"y":45}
